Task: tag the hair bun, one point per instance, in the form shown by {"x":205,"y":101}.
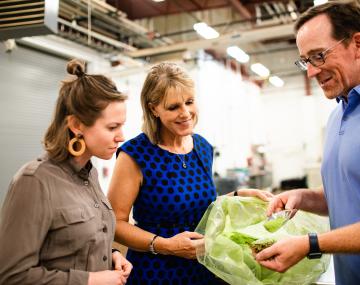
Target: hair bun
{"x":76,"y":67}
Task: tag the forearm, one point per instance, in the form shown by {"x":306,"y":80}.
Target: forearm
{"x":139,"y":239}
{"x":341,"y":240}
{"x":133,"y":236}
{"x":313,"y":200}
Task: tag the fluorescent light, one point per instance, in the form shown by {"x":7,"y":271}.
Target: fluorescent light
{"x":238,"y":54}
{"x":319,"y":2}
{"x":158,"y":0}
{"x":276,"y":81}
{"x":260,"y":69}
{"x":205,"y":31}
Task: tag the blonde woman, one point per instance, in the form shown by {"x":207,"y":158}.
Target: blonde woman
{"x":165,"y":174}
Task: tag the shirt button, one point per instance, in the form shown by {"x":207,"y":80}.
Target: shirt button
{"x":96,"y":205}
{"x":86,"y":183}
{"x":104,"y":257}
{"x":105,"y":229}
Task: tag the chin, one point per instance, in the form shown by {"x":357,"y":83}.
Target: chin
{"x":106,"y":156}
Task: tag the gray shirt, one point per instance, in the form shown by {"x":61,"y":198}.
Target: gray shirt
{"x":56,"y":225}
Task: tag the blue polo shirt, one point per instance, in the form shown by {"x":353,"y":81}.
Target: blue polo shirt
{"x":341,"y":178}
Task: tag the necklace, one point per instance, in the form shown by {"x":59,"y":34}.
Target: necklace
{"x":183,"y":161}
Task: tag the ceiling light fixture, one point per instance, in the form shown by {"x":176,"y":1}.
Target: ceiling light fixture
{"x":205,"y":31}
{"x":260,"y":70}
{"x":158,"y":0}
{"x":276,"y":81}
{"x":238,"y":54}
{"x":319,"y":2}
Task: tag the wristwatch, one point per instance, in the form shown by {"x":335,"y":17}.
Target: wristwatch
{"x":314,"y":251}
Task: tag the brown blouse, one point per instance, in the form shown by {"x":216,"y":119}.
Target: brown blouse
{"x":56,"y":225}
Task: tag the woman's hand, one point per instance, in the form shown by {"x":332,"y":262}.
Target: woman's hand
{"x":112,"y":277}
{"x":183,"y":244}
{"x":262,"y":194}
{"x":108,"y":277}
{"x":121,"y":264}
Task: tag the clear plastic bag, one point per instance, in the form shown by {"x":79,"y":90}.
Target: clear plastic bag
{"x":234,"y":262}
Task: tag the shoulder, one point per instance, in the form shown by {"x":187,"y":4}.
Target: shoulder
{"x":32,"y":168}
{"x":41,"y":169}
{"x":30,"y":179}
{"x":201,"y":142}
{"x":135,"y":144}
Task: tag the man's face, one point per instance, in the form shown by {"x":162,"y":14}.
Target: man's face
{"x":340,"y":72}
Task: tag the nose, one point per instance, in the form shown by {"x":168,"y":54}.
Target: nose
{"x":185,"y":111}
{"x":119,"y":137}
{"x":312,"y":71}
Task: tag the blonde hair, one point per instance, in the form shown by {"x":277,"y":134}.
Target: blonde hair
{"x":160,"y":80}
{"x":85,"y":97}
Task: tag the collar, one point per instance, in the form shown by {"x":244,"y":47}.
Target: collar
{"x":82,"y":172}
{"x":353,"y":92}
{"x":75,"y":169}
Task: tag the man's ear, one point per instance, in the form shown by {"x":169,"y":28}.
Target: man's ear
{"x":356,"y":38}
{"x":74,"y":125}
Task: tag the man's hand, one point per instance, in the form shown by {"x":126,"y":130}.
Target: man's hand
{"x":289,"y":200}
{"x":284,"y":253}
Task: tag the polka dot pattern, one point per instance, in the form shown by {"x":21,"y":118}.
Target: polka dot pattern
{"x":171,"y":200}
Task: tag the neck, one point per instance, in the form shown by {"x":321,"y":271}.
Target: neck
{"x":177,"y":144}
{"x":81,"y":160}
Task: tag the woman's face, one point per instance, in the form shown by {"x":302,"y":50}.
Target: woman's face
{"x":103,"y":137}
{"x":177,"y":113}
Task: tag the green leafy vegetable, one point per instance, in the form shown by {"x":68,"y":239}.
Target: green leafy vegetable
{"x":275,"y":224}
{"x":261,"y":244}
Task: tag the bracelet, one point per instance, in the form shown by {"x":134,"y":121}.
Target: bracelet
{"x":151,"y":246}
{"x":235,"y":193}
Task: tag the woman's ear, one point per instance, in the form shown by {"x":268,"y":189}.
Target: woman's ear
{"x":74,"y":125}
{"x":152,"y":110}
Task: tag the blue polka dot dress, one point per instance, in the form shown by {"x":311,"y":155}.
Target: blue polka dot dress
{"x":171,"y":200}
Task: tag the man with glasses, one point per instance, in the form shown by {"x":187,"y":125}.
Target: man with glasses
{"x":328,"y":39}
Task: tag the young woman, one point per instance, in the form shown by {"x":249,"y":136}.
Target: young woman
{"x":56,"y":225}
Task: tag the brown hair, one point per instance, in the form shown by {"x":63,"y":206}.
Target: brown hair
{"x":344,"y":16}
{"x":85,"y":97}
{"x":161,"y":78}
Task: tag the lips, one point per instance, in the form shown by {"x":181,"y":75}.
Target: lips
{"x":184,"y":122}
{"x":323,"y":81}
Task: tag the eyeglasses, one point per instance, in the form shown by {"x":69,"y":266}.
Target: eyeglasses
{"x":315,"y":59}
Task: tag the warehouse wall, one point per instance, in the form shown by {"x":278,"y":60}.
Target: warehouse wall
{"x":29,"y":85}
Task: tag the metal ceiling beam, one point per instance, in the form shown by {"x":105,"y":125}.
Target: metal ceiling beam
{"x":240,"y":37}
{"x":242,"y":10}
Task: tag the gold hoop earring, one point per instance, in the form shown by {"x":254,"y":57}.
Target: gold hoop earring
{"x":76,"y":141}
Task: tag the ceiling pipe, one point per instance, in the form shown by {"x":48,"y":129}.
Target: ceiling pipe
{"x":254,"y":35}
{"x":96,"y":35}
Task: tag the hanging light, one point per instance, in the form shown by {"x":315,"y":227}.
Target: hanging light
{"x":260,"y":70}
{"x":319,"y":2}
{"x":238,"y":54}
{"x":205,"y":31}
{"x":276,"y":81}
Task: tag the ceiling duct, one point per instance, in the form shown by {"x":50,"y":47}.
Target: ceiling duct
{"x":23,"y":18}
